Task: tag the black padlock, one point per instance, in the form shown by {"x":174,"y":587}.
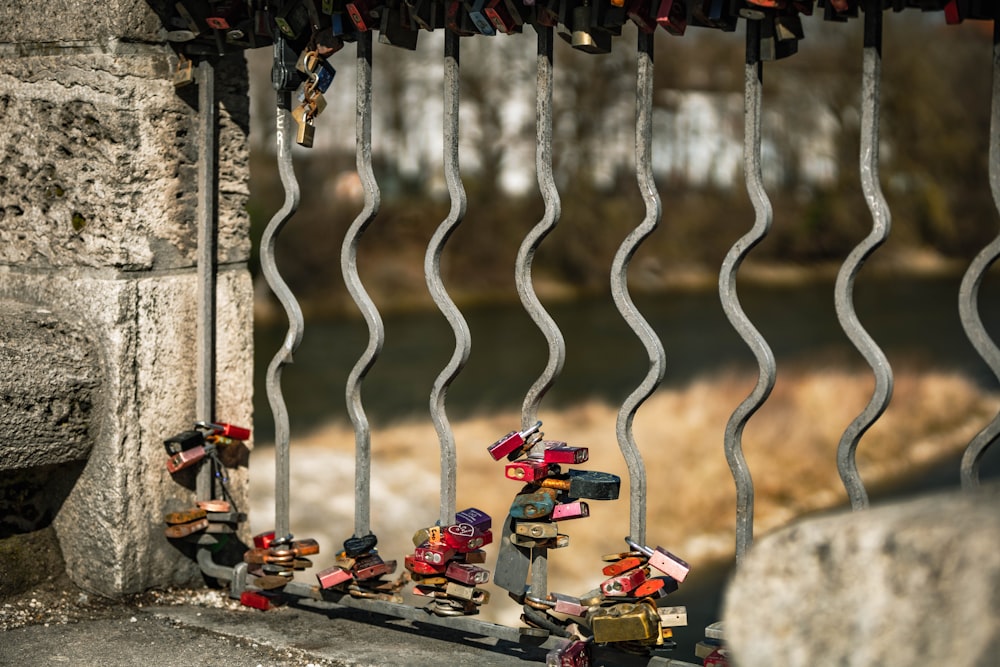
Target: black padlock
{"x":183,"y":441}
{"x":589,"y":484}
{"x":358,"y":546}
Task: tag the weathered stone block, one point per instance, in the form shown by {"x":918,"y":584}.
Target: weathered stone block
{"x":99,"y":163}
{"x":110,"y":526}
{"x":916,"y":583}
{"x":78,"y":21}
{"x":50,"y":377}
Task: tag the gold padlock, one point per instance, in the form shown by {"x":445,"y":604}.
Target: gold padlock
{"x":626,"y":622}
{"x":184,"y":72}
{"x":306,"y":134}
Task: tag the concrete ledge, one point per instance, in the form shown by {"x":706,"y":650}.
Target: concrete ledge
{"x":916,"y":583}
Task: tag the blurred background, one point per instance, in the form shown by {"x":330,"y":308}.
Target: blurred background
{"x":934,"y":151}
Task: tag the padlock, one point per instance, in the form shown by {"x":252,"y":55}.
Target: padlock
{"x":578,"y":509}
{"x":422,"y":567}
{"x":707,"y":647}
{"x":361,"y":13}
{"x":215,"y":505}
{"x":371,"y":566}
{"x":623,"y":584}
{"x":292,"y":18}
{"x":561,"y":453}
{"x":625,"y":621}
{"x":788,"y":27}
{"x":536,"y":529}
{"x":478,"y":519}
{"x":560,"y":604}
{"x":533,"y":505}
{"x":560,"y":541}
{"x":428,"y":591}
{"x":513,"y":563}
{"x":436,"y":554}
{"x":717,"y":658}
{"x":512,"y":442}
{"x":460,"y":591}
{"x":219,"y":529}
{"x":673,"y":617}
{"x":483,"y":25}
{"x":185,"y":516}
{"x":307,"y":547}
{"x":395,"y":29}
{"x":584,"y":37}
{"x":474,"y":557}
{"x":261,"y":556}
{"x":527,"y":470}
{"x":624,"y":565}
{"x":256,"y":600}
{"x":333,"y":576}
{"x":641,"y":14}
{"x":185,"y":529}
{"x":656,"y":588}
{"x":672,"y":16}
{"x":301,"y":564}
{"x":429,"y":579}
{"x":589,"y":484}
{"x":716,"y":14}
{"x":499,"y":15}
{"x":186,"y":459}
{"x":663,"y":560}
{"x":573,"y":654}
{"x":592,"y":598}
{"x":188,"y":439}
{"x":355,"y":546}
{"x":459,"y":539}
{"x":456,"y":19}
{"x":227,"y":430}
{"x":421,"y":537}
{"x":772,"y":48}
{"x":526,"y":542}
{"x":463,"y":573}
{"x":270,"y":582}
{"x":263,"y":540}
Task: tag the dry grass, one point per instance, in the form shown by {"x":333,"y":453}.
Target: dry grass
{"x":790,"y":446}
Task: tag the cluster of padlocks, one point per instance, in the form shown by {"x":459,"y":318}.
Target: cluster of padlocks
{"x":446,"y":564}
{"x":360,"y":571}
{"x":309,"y":31}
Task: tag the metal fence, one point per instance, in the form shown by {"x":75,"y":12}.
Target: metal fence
{"x":764,"y":41}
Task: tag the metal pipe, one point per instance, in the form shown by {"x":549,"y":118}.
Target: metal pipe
{"x":525,"y":255}
{"x":293,"y":337}
{"x":968,"y":293}
{"x":844,"y":288}
{"x":349,"y":267}
{"x":753,"y":173}
{"x":432,"y":271}
{"x":622,"y":298}
{"x":207,"y":212}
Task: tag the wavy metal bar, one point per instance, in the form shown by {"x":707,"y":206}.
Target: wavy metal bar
{"x":844,"y":288}
{"x":432,"y":271}
{"x":272,"y":382}
{"x":522,"y":275}
{"x":525,"y":254}
{"x":968,"y":293}
{"x":620,"y":293}
{"x":207,"y":239}
{"x":753,"y":93}
{"x":349,"y":267}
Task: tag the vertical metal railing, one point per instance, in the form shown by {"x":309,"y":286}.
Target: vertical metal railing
{"x":349,"y":267}
{"x":620,"y":293}
{"x":525,"y":255}
{"x":844,"y":288}
{"x":968,"y":295}
{"x":753,"y":173}
{"x":282,"y":435}
{"x":208,"y":197}
{"x":432,"y":272}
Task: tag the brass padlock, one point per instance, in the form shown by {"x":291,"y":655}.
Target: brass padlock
{"x":183,"y":73}
{"x":626,"y":621}
{"x":306,"y":134}
{"x":584,"y":37}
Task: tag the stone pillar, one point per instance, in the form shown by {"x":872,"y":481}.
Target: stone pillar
{"x":98,"y":231}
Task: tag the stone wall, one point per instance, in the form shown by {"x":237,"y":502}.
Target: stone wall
{"x":98,"y":237}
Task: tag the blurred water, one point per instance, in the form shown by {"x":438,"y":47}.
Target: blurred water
{"x":911,"y":318}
